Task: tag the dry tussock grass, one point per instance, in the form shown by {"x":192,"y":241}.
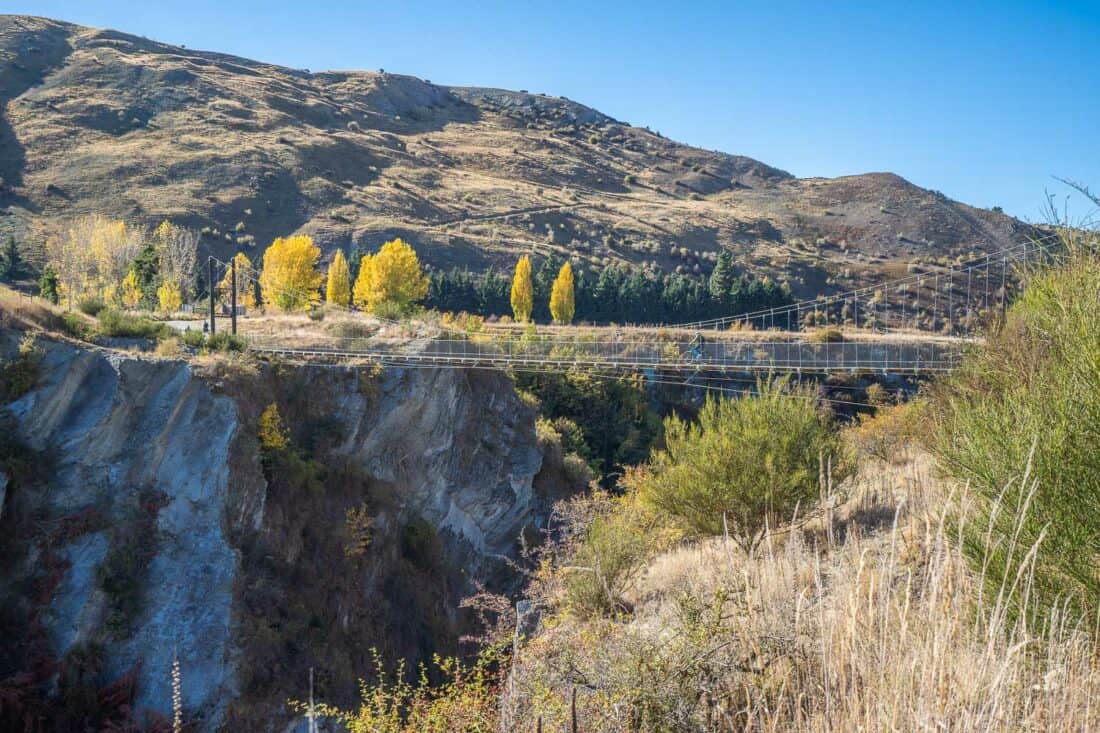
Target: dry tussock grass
{"x":870,"y":620}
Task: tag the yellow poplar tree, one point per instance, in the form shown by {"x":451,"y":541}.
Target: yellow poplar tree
{"x":360,"y":294}
{"x":562,"y":303}
{"x":130,"y":292}
{"x":392,"y":276}
{"x":246,"y":290}
{"x":169,"y":297}
{"x":523,"y":291}
{"x":338,"y":290}
{"x":290,"y":280}
{"x":273,"y":433}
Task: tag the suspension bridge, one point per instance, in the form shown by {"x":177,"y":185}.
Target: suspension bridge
{"x":918,"y":324}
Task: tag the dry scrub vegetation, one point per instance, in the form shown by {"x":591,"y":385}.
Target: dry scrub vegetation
{"x":950,"y":584}
{"x":929,"y":568}
{"x":870,"y":619}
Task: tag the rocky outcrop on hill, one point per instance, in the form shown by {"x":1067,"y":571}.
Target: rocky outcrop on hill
{"x":165,"y":531}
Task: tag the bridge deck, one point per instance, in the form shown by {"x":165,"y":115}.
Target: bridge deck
{"x":886,"y":356}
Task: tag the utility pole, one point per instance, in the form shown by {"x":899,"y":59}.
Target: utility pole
{"x":210,"y":281}
{"x":233,"y":297}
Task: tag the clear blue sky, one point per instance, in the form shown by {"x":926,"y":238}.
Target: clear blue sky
{"x":985,"y":101}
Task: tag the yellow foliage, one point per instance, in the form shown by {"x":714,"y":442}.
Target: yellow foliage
{"x":392,"y":276}
{"x":465,"y":698}
{"x":93,"y":255}
{"x":246,"y":292}
{"x":177,"y":251}
{"x":290,"y":280}
{"x":523,"y":291}
{"x":891,"y":432}
{"x":562,"y":298}
{"x":338,"y":290}
{"x":272,"y":434}
{"x":169,"y":298}
{"x":130,"y":292}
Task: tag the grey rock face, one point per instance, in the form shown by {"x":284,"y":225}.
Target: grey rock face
{"x":119,"y":426}
{"x":458,"y":449}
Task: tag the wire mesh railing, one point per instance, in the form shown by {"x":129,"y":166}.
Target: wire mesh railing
{"x":894,"y":355}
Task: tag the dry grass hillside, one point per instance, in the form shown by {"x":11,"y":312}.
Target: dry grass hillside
{"x":98,"y":120}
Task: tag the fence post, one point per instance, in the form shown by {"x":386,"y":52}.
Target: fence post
{"x":573,"y":710}
{"x":233,"y":297}
{"x":210,"y":282}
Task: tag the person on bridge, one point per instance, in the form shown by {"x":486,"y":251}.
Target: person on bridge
{"x":695,"y":347}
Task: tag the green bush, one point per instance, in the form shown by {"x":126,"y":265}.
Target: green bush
{"x":389,"y":310}
{"x":18,"y":376}
{"x":610,"y":422}
{"x":826,"y":336}
{"x":122,"y":575}
{"x":747,"y":464}
{"x":91,"y":306}
{"x":351,"y":329}
{"x":116,"y":323}
{"x":225,"y":341}
{"x":48,"y":285}
{"x":1019,"y":422}
{"x":75,"y":325}
{"x":193,"y":338}
{"x":608,"y":557}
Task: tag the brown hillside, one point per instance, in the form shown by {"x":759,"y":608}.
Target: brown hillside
{"x":97,"y":120}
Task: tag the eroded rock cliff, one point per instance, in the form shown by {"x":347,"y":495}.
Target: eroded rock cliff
{"x":162,"y":528}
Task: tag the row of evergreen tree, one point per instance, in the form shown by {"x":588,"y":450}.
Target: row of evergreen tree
{"x":616,"y":295}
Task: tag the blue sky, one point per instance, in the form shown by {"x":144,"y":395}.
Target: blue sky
{"x":983,"y":101}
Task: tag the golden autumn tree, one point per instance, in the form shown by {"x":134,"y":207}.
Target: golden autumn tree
{"x":391,"y":277}
{"x":290,"y":280}
{"x":130,"y":292}
{"x":177,"y":254}
{"x":246,"y":283}
{"x":92,"y":256}
{"x":338,"y":289}
{"x":169,"y":298}
{"x":562,"y":298}
{"x":272,"y":433}
{"x":523,"y":290}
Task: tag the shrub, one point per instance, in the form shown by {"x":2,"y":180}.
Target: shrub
{"x":826,"y":336}
{"x":351,"y":329}
{"x":193,"y":337}
{"x":117,"y":323}
{"x":614,"y":415}
{"x":577,"y":471}
{"x":748,"y":464}
{"x":75,"y":325}
{"x":389,"y":310}
{"x":18,"y":376}
{"x":91,"y":306}
{"x":169,"y":347}
{"x":1020,"y":422}
{"x":466,"y":698}
{"x":606,"y":561}
{"x":359,"y":528}
{"x":121,"y":576}
{"x":878,"y":395}
{"x":224,"y":341}
{"x":890,"y":432}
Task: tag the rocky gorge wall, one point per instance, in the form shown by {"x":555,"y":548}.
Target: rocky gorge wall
{"x":164,"y":530}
